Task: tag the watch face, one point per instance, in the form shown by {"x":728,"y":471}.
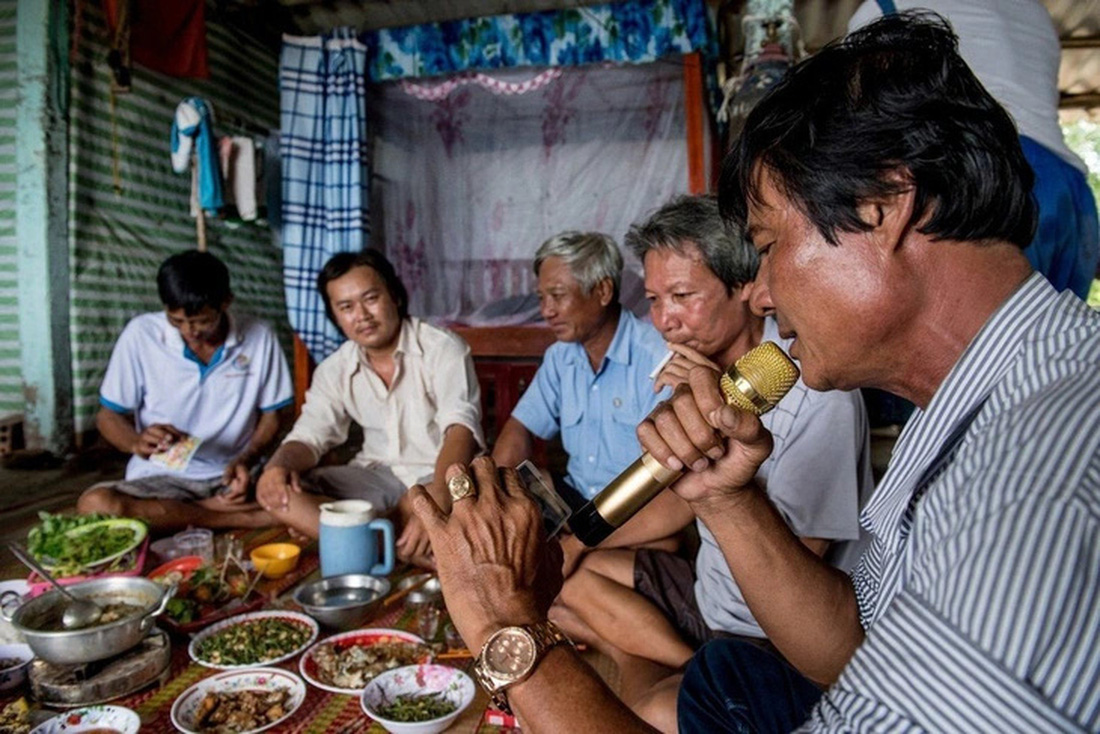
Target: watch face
{"x":510,"y":653}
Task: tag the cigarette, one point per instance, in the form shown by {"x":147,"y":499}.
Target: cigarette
{"x":661,"y":365}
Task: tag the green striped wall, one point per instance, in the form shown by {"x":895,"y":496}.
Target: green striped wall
{"x":11,"y":376}
{"x":119,"y":238}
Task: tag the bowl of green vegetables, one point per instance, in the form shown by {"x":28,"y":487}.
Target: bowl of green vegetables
{"x":70,"y":545}
{"x":417,"y":699}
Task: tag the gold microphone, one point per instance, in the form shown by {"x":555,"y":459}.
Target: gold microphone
{"x":755,"y":384}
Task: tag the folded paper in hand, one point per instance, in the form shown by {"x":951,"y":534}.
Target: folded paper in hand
{"x":179,"y":454}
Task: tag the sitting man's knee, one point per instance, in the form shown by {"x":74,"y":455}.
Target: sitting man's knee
{"x":599,"y":562}
{"x":657,"y":706}
{"x":577,"y":588}
{"x":103,"y":500}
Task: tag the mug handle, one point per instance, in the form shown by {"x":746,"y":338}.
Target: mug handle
{"x":9,"y":600}
{"x":388,"y":550}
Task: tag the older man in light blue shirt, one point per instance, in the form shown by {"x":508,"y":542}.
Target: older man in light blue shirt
{"x":593,"y":386}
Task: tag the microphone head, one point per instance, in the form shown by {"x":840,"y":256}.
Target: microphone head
{"x":760,"y":379}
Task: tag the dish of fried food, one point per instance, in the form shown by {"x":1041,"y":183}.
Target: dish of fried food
{"x":239,"y":702}
{"x":347,"y":662}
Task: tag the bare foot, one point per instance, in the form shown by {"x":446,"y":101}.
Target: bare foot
{"x":218,"y":503}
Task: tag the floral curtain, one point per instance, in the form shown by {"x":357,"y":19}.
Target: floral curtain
{"x":467,"y":186}
{"x":579,"y":125}
{"x":625,"y":32}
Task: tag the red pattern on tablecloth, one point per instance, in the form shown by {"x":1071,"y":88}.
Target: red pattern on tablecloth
{"x":322,"y":711}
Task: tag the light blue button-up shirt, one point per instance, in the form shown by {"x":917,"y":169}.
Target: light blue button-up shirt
{"x":596,"y":412}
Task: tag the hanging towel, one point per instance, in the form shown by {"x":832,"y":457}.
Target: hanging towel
{"x":225,"y":161}
{"x":193,"y":130}
{"x":238,"y":162}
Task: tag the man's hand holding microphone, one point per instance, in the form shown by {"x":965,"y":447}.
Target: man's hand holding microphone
{"x":494,"y":562}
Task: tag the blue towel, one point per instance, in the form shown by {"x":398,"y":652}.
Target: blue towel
{"x":193,"y":127}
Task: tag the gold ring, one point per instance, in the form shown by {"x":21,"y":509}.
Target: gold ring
{"x":460,"y":487}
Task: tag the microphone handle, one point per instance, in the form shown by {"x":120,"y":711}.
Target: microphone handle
{"x":621,"y":499}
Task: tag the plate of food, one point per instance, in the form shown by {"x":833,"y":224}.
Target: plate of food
{"x":418,"y":699}
{"x":204,"y":595}
{"x":347,"y":662}
{"x":257,"y":638}
{"x":176,"y":571}
{"x":92,"y":719}
{"x":243,"y":701}
{"x":68,"y":545}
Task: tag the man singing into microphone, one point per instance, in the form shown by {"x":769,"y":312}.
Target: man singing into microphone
{"x":699,"y":278}
{"x":890,"y":202}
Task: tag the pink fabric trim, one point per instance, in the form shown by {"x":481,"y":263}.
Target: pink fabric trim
{"x":436,"y":92}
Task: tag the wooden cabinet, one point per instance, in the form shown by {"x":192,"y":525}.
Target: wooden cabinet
{"x":506,"y":359}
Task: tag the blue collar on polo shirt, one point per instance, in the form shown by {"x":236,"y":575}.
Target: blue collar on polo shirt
{"x":232,"y":339}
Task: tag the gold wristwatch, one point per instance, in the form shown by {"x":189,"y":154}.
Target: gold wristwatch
{"x":511,"y":654}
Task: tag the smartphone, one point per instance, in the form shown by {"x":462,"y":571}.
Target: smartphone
{"x":555,"y":511}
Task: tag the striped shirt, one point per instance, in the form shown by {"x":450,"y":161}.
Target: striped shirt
{"x":980,"y":592}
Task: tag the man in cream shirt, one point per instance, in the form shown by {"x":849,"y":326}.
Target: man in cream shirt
{"x":410,"y":386}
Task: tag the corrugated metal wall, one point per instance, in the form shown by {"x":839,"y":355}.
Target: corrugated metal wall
{"x":11,"y":374}
{"x":119,"y":235}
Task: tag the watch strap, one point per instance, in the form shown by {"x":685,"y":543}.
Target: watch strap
{"x":545,"y":634}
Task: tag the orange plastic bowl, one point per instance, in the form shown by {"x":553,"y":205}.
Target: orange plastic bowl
{"x":275,"y":560}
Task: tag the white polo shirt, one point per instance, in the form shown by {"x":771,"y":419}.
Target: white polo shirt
{"x":155,"y":376}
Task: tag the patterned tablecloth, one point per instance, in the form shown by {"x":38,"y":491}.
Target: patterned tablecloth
{"x":322,"y":711}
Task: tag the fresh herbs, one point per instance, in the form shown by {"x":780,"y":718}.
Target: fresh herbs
{"x":416,"y":707}
{"x":202,"y":592}
{"x":253,"y":641}
{"x":47,"y":539}
{"x":181,"y":610}
{"x":58,"y":542}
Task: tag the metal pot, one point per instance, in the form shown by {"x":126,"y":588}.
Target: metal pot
{"x":72,"y":647}
{"x":345,"y":601}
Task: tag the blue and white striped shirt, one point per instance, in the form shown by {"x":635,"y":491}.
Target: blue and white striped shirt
{"x":980,"y":592}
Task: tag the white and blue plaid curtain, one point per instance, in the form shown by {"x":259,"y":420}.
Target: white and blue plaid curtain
{"x":322,"y":87}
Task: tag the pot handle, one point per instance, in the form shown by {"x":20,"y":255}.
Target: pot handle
{"x":9,"y":599}
{"x":147,"y":620}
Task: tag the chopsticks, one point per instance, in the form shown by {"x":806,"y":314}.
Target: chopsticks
{"x":458,"y":653}
{"x":252,"y":584}
{"x":462,"y":653}
{"x":402,"y":593}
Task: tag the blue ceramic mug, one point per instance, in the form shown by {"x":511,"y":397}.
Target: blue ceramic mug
{"x":348,"y":539}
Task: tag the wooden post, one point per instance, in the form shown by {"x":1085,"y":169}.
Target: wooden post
{"x":200,"y":229}
{"x":694,"y":121}
{"x":303,"y":371}
{"x":200,"y":218}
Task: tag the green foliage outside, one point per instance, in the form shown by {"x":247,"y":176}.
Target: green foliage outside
{"x":1083,"y":136}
